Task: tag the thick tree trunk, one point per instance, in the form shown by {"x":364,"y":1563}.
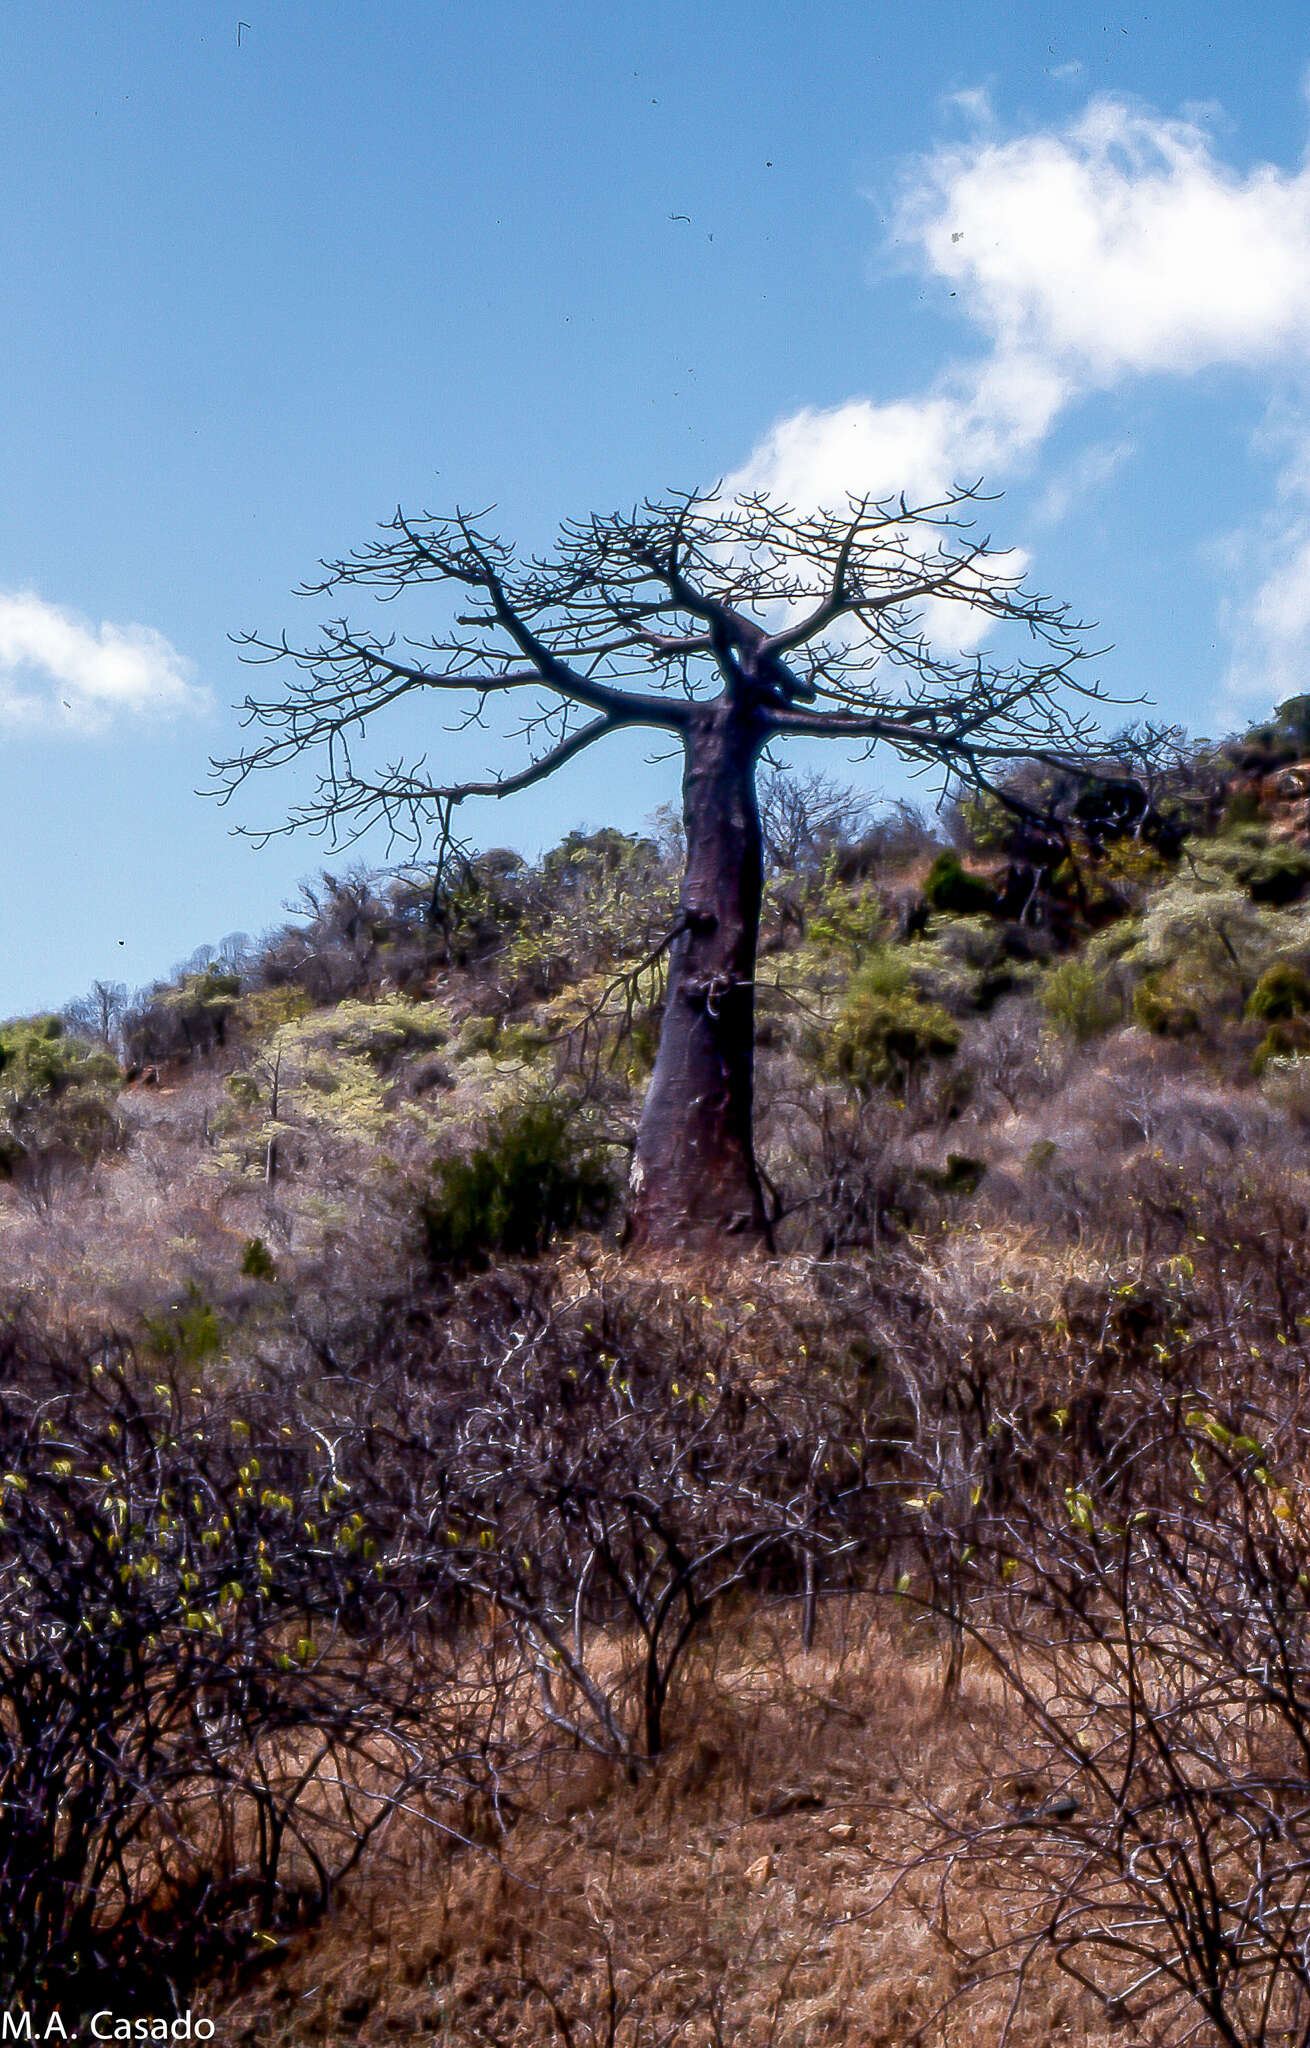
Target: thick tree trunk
{"x":694,"y":1178}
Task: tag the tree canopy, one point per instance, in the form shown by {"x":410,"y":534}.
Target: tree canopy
{"x":730,"y":625}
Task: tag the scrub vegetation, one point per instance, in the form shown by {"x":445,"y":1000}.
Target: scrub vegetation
{"x":425,"y":1609}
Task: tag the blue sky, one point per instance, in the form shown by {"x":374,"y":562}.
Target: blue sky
{"x":268,"y":269}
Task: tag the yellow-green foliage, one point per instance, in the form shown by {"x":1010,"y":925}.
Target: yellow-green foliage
{"x":56,"y":1095}
{"x":1170,"y":1003}
{"x":1286,"y":1041}
{"x":962,"y":962}
{"x":477,"y":1035}
{"x":37,"y":1060}
{"x":210,"y":990}
{"x":1080,"y":1001}
{"x":987,"y":821}
{"x":607,"y":899}
{"x":382,"y":1033}
{"x":949,"y":886}
{"x":190,"y":1332}
{"x":1271,"y":871}
{"x":1283,"y":990}
{"x":264,"y":1011}
{"x":1281,"y":1000}
{"x":885,"y":1029}
{"x":1202,"y":945}
{"x":846,"y":920}
{"x":335,"y":1070}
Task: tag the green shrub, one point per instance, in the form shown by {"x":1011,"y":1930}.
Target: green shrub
{"x":1285,"y":737}
{"x":181,"y":1020}
{"x":948,"y":886}
{"x":1162,"y":1007}
{"x":188,"y":1333}
{"x":641,"y":1045}
{"x":1277,"y":876}
{"x":524,"y":1042}
{"x":1288,"y":1038}
{"x":885,"y":1029}
{"x":987,"y":822}
{"x":845,"y":920}
{"x":1283,"y":990}
{"x":529,"y":1182}
{"x":1080,"y":1002}
{"x":257,"y":1261}
{"x":36,"y":1059}
{"x":1240,"y":811}
{"x":262,"y":1012}
{"x":385,"y":1033}
{"x":56,"y":1097}
{"x":477,"y":1034}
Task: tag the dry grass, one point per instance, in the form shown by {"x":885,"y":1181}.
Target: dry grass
{"x":743,"y":1891}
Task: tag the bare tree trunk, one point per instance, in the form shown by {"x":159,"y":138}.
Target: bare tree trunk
{"x":694,"y":1178}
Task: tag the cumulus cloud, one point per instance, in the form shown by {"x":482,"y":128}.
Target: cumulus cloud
{"x":1118,"y":246}
{"x":59,"y":672}
{"x":975,"y":423}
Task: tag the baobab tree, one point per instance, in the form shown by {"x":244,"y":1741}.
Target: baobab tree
{"x":731,"y":626}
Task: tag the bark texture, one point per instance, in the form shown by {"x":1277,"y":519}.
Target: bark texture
{"x":694,"y":1177}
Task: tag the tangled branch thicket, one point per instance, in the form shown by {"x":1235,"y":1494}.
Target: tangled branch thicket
{"x":423,"y":1614}
{"x":249,"y":1644}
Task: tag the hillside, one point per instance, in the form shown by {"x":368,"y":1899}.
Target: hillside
{"x":449,"y":1621}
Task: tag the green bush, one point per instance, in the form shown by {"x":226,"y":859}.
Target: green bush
{"x":257,"y":1261}
{"x":1277,"y":876}
{"x":182,"y":1020}
{"x":843,"y":919}
{"x":948,"y":886}
{"x":1288,"y":1038}
{"x":1286,"y":737}
{"x":886,"y":1030}
{"x":1161,"y":1006}
{"x":1271,"y":872}
{"x":1241,"y":810}
{"x":529,"y":1182}
{"x":188,"y":1333}
{"x":385,"y":1033}
{"x":477,"y":1034}
{"x":526,"y":1041}
{"x":1283,"y":990}
{"x":1080,"y":1002}
{"x":36,"y":1059}
{"x":56,"y":1097}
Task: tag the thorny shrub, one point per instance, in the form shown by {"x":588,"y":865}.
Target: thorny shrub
{"x":1148,"y":1615}
{"x":198,"y":1737}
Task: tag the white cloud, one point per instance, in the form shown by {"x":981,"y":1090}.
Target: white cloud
{"x":1118,"y":246}
{"x":1282,"y":609}
{"x":59,"y":672}
{"x":1270,"y":628}
{"x":972,"y":425}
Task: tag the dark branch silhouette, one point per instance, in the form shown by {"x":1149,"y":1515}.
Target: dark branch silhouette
{"x":730,"y":625}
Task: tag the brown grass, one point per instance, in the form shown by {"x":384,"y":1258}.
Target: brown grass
{"x":744,"y":1891}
